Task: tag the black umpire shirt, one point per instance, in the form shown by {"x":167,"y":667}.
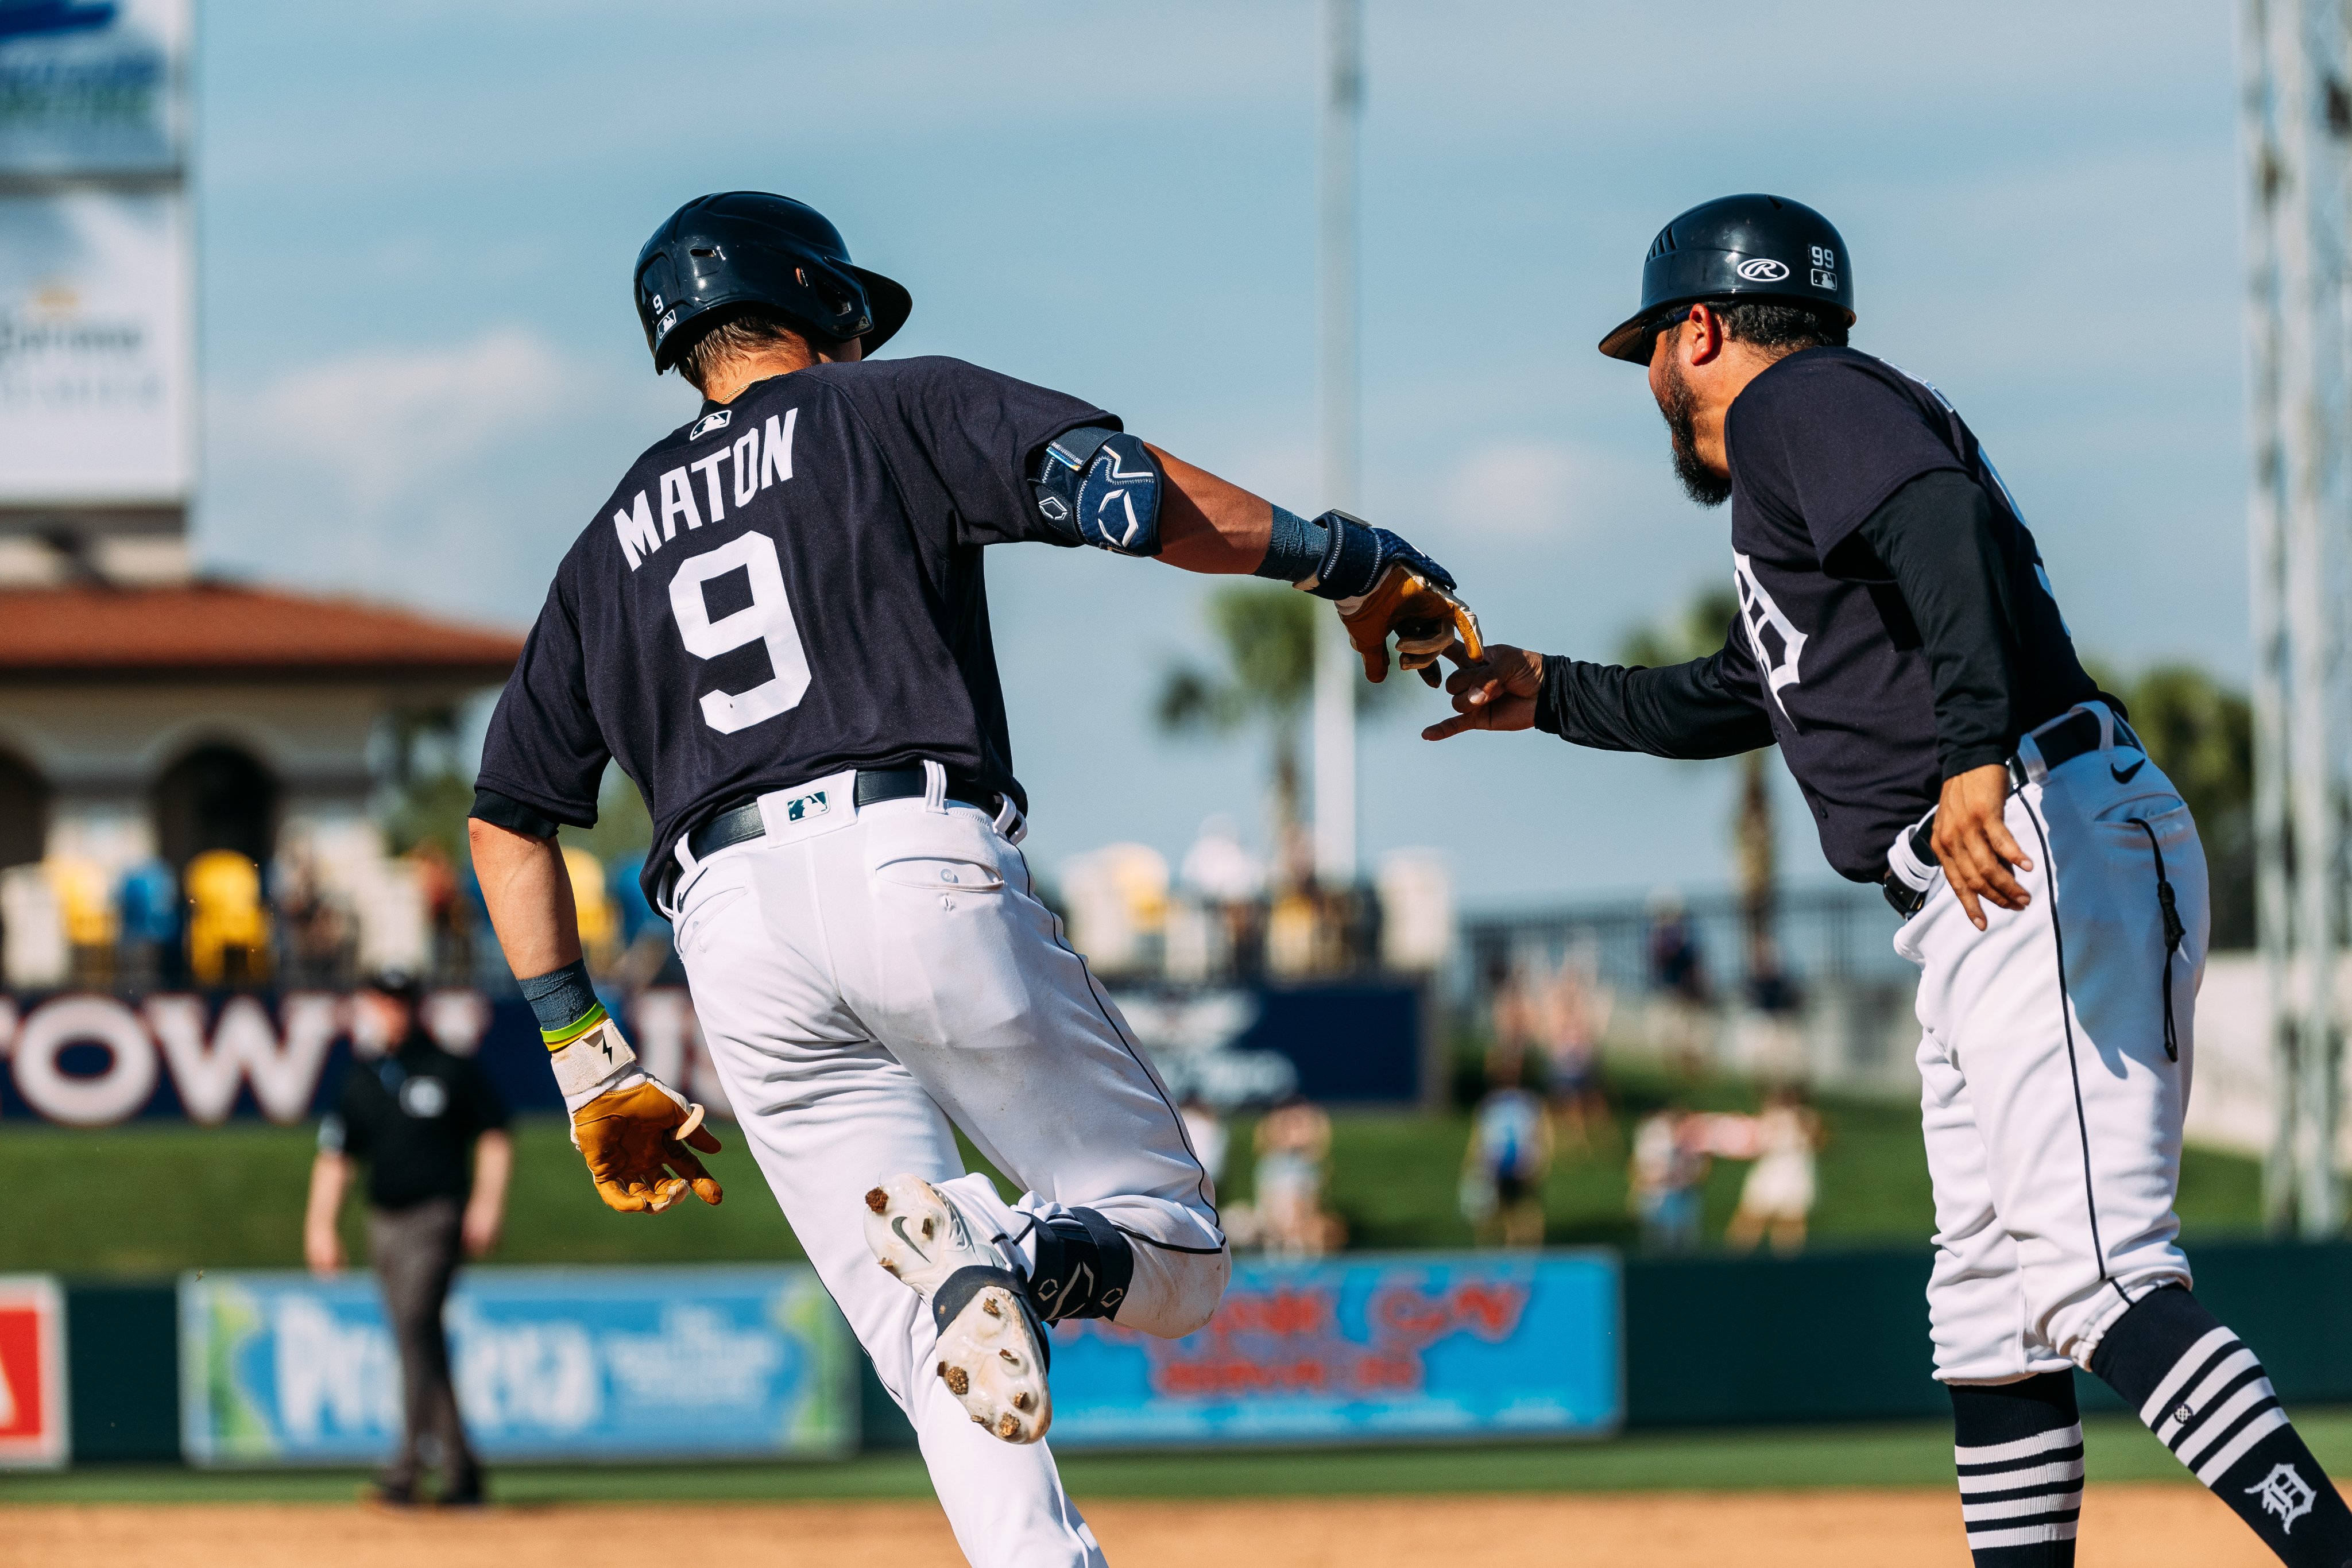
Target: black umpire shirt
{"x":787,"y":587}
{"x":1895,"y":626}
{"x":413,"y":1116}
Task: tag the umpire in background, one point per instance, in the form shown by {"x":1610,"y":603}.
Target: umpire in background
{"x":431,"y":1132}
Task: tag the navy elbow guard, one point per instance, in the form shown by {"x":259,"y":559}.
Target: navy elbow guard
{"x":1100,"y":487}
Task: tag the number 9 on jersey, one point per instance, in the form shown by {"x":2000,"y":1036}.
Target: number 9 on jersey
{"x":767,"y":619}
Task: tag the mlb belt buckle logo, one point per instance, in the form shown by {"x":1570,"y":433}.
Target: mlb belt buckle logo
{"x":32,"y":1373}
{"x":802,"y":808}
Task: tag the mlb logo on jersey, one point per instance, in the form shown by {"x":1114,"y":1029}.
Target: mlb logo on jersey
{"x":32,"y":1372}
{"x":709,"y":423}
{"x":801,"y":808}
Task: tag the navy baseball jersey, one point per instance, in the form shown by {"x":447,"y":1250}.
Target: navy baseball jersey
{"x":786,"y":586}
{"x":1817,"y":443}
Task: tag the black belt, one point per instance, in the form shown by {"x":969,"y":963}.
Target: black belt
{"x":739,"y":822}
{"x":2072,"y":736}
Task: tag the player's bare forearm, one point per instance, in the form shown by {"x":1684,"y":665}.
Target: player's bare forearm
{"x":486,"y":1211}
{"x":1496,"y":691}
{"x":323,"y":1247}
{"x":1973,"y":842}
{"x":1208,"y":524}
{"x":528,"y":894}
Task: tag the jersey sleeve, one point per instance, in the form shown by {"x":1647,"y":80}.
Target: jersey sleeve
{"x":1707,"y":707}
{"x":543,"y":747}
{"x":981,"y":432}
{"x":1835,"y":438}
{"x":354,"y":1116}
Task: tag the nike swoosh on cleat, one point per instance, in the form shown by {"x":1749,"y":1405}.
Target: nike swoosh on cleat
{"x":2123,"y":775}
{"x":899,"y":1225}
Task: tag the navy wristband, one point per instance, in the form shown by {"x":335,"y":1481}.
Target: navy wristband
{"x":562,"y":998}
{"x":1293,"y":550}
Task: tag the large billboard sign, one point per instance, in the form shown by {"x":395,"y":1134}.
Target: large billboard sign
{"x":96,"y":349}
{"x":93,"y":87}
{"x":1396,"y":1348}
{"x":32,"y":1372}
{"x":550,"y":1363}
{"x":97,"y":335}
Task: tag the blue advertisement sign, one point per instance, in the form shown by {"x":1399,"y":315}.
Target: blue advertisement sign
{"x":1360,"y":1350}
{"x":550,"y":1363}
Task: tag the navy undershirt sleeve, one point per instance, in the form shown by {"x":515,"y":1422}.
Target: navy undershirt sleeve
{"x":1698,"y":709}
{"x":1934,"y":539}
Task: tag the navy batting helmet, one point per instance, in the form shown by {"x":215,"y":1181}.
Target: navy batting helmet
{"x":1738,"y":247}
{"x":717,"y":255}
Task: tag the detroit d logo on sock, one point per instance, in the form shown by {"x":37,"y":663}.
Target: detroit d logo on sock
{"x":2285,"y":1492}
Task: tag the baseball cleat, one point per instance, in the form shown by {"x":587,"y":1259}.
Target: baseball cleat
{"x":991,"y":1352}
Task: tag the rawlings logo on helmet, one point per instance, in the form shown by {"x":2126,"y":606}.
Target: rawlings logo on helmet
{"x":1763,"y":269}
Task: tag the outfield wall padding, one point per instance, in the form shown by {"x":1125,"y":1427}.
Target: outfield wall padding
{"x":1843,"y":1336}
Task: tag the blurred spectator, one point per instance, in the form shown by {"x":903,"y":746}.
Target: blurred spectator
{"x":1778,"y":1197}
{"x":229,"y":926}
{"x":1572,"y":1016}
{"x":147,"y":926}
{"x":646,"y":949}
{"x":1504,"y":1168}
{"x":317,"y":928}
{"x":1219,"y":868}
{"x":431,"y":1132}
{"x":1117,"y":901}
{"x":1773,"y":1046}
{"x":1207,"y":1129}
{"x":1512,"y":1015}
{"x":1681,"y":1004}
{"x":88,"y":911}
{"x":1669,"y":1164}
{"x":448,"y":953}
{"x":1294,"y":1151}
{"x":600,"y":925}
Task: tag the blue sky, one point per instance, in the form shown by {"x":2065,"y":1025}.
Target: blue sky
{"x":423,"y":374}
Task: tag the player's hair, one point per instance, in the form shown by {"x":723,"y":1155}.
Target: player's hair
{"x":1781,"y":328}
{"x":745,"y":331}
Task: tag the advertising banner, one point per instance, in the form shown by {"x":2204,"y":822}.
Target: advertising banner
{"x":32,"y":1373}
{"x":550,"y":1363}
{"x":88,"y":1059}
{"x":1393,"y":1348}
{"x":93,"y":87}
{"x":96,"y":347}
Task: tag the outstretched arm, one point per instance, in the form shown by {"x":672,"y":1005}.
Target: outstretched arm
{"x":1691,"y":710}
{"x":1096,"y":485}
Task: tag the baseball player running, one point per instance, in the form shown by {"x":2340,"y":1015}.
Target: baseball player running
{"x":777,"y":625}
{"x":1898,"y":640}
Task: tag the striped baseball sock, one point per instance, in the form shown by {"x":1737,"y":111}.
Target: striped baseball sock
{"x":2019,"y":1447}
{"x":2205,"y":1396}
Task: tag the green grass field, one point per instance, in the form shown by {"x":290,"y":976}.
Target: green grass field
{"x":1913,"y":1454}
{"x":157,"y":1198}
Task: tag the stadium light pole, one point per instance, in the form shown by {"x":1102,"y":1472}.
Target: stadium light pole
{"x":1334,"y":662}
{"x":2296,"y":113}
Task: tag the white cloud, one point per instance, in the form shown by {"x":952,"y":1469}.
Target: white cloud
{"x":450,"y":475}
{"x":1521,"y":489}
{"x":387,"y":421}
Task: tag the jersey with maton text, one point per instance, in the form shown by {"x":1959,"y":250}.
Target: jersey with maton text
{"x":1816,"y":444}
{"x":785,"y":588}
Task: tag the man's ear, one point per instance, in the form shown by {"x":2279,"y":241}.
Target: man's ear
{"x":1706,"y":336}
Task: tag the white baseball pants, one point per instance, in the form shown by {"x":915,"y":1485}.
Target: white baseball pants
{"x":866,"y":977}
{"x":2052,"y":1108}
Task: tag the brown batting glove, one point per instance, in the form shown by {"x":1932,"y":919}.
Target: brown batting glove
{"x":628,"y":1137}
{"x":1428,"y":619}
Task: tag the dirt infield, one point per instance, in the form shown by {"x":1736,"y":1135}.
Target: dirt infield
{"x":2146,"y":1526}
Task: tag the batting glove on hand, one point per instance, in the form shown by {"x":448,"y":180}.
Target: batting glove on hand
{"x":630,"y":1135}
{"x":1386,"y":588}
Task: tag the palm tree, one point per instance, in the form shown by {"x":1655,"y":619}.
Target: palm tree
{"x":1693,"y":633}
{"x":1267,"y":634}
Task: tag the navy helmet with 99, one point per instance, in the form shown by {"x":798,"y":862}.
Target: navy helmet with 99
{"x":1738,"y":247}
{"x":720,"y":252}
